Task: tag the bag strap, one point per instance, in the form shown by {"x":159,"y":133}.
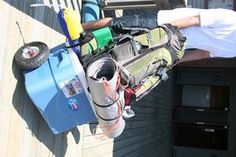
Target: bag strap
{"x":97,"y":54}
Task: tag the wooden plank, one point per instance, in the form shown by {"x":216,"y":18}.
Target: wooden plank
{"x":93,"y":141}
{"x":151,"y":149}
{"x":110,"y":147}
{"x":129,"y":125}
{"x":25,"y":133}
{"x":5,"y":108}
{"x":74,"y":143}
{"x":135,"y":145}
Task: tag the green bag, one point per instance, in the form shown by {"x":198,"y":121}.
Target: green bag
{"x":146,"y":55}
{"x":95,"y":40}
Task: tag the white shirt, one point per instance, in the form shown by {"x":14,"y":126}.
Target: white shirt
{"x":217,"y":31}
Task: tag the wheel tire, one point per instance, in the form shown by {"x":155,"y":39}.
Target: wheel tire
{"x":24,"y":60}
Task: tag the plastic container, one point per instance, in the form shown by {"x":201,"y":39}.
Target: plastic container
{"x":58,"y":89}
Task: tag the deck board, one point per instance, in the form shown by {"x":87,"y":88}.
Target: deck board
{"x":23,"y":131}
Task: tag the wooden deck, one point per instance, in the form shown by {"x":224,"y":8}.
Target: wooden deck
{"x":23,"y":131}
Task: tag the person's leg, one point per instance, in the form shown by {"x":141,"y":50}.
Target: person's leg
{"x":194,"y":55}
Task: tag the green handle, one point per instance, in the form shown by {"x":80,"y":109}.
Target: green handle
{"x":103,"y":36}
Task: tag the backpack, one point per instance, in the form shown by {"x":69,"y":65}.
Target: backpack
{"x":144,"y":56}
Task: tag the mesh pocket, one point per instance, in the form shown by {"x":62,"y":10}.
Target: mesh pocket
{"x":123,"y":52}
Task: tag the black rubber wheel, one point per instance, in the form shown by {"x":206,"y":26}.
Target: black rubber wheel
{"x":31,"y":55}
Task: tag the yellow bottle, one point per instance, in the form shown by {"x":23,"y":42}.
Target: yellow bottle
{"x":72,"y":19}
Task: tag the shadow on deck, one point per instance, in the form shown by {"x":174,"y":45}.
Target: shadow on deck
{"x":57,"y":144}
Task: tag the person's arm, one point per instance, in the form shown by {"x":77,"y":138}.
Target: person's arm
{"x":187,"y":22}
{"x":97,"y":24}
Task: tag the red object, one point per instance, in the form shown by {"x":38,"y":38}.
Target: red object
{"x":31,"y":53}
{"x":129,"y":94}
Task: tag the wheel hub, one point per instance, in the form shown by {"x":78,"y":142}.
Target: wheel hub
{"x":30,"y":52}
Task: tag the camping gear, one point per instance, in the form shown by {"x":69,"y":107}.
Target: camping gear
{"x":97,"y":39}
{"x":73,"y":30}
{"x":146,"y":54}
{"x":108,"y":97}
{"x":127,"y":69}
{"x":90,"y":10}
{"x":58,"y":88}
{"x":116,"y":70}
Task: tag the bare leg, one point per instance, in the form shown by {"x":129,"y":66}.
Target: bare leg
{"x":194,"y":55}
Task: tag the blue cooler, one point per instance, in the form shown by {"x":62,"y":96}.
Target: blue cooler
{"x":58,"y":89}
